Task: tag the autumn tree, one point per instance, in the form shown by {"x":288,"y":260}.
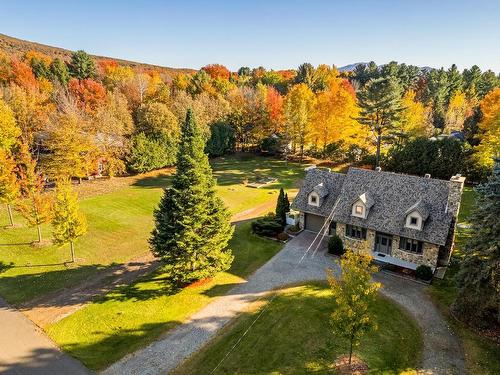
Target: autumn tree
{"x":9,"y":188}
{"x":456,"y":112}
{"x":68,"y":222}
{"x":9,"y":131}
{"x":299,"y":113}
{"x":415,"y":117}
{"x":82,"y":66}
{"x":59,"y":71}
{"x":353,"y":295}
{"x":489,"y":130}
{"x":192,"y":226}
{"x":89,"y":94}
{"x":35,"y":205}
{"x":380,"y":103}
{"x":217,"y":71}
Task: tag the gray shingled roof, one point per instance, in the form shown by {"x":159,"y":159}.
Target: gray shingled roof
{"x":392,"y":194}
{"x":331,"y":181}
{"x":321,"y":190}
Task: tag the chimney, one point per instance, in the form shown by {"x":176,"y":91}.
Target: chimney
{"x":378,"y":169}
{"x":427,"y":175}
{"x":455,"y":194}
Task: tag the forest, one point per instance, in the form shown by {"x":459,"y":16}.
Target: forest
{"x":89,"y":117}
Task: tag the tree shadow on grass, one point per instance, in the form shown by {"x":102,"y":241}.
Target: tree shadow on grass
{"x":154,"y":182}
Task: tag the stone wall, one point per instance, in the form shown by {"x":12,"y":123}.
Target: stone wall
{"x":354,"y":244}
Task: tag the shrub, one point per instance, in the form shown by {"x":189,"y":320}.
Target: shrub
{"x":335,"y":245}
{"x":424,"y":273}
{"x":294,"y":228}
{"x":222,"y":140}
{"x":282,"y":236}
{"x":267,"y":226}
{"x":149,"y":153}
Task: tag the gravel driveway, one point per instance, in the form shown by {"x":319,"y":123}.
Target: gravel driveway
{"x":442,"y":354}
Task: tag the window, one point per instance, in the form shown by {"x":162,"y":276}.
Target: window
{"x":359,"y":209}
{"x":353,"y":231}
{"x":314,"y":199}
{"x":413,"y":220}
{"x":411,"y":245}
{"x":332,"y":228}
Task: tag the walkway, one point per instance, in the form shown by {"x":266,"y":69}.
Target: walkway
{"x":25,"y":350}
{"x":442,"y":354}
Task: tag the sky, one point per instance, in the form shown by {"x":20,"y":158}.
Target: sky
{"x":275,"y":34}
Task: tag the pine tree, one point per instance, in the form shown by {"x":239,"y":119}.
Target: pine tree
{"x":353,"y":295}
{"x":281,"y":208}
{"x":9,"y":188}
{"x":381,"y":107}
{"x":59,"y":71}
{"x":478,"y":300}
{"x":192,"y":227}
{"x":35,"y":205}
{"x":287,"y":203}
{"x":68,"y":222}
{"x":82,"y":65}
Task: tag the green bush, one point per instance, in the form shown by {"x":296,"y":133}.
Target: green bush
{"x":424,"y":273}
{"x":267,"y":226}
{"x":335,"y":245}
{"x":222,"y":140}
{"x":149,"y":153}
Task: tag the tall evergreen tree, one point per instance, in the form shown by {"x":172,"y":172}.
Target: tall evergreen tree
{"x":82,"y":65}
{"x":478,"y":300}
{"x":381,"y":106}
{"x":281,"y":208}
{"x":59,"y":71}
{"x":192,"y":227}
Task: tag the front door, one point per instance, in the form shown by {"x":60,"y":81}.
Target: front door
{"x":383,"y":243}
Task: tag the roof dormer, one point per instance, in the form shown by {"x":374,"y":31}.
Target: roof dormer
{"x":416,"y":216}
{"x":362,"y":205}
{"x":317,"y":195}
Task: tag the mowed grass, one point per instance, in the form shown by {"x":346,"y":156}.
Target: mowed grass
{"x":482,"y":354}
{"x":135,"y":315}
{"x":119,"y":225}
{"x":294,"y":336}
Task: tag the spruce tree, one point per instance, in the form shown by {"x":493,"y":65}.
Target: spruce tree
{"x":82,"y":65}
{"x":68,"y":222}
{"x":192,"y":226}
{"x":478,"y":300}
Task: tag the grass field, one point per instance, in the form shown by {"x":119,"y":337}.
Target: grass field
{"x":482,"y":354}
{"x":135,"y":315}
{"x":27,"y":272}
{"x":294,"y":336}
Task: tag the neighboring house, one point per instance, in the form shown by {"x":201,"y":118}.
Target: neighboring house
{"x":400,"y":219}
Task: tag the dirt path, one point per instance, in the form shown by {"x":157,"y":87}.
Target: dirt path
{"x":55,"y":306}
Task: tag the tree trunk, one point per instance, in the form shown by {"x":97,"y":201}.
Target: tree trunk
{"x":11,"y":218}
{"x":72,"y":248}
{"x":379,"y":139}
{"x":350,"y":353}
{"x":39,"y":230}
{"x":301,"y":153}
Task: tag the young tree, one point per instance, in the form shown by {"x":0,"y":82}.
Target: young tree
{"x":353,"y":295}
{"x":478,"y":300}
{"x":9,"y":188}
{"x":489,"y":130}
{"x":68,"y":222}
{"x":35,"y":205}
{"x":9,"y":131}
{"x":415,"y":117}
{"x":82,"y":65}
{"x":59,"y":71}
{"x":192,"y":227}
{"x":381,"y":107}
{"x":456,"y":112}
{"x":281,"y":208}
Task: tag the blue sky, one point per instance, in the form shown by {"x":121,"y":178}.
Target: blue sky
{"x":275,"y":34}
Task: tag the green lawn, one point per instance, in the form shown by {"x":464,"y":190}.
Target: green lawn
{"x":294,"y":336}
{"x":482,"y":354}
{"x":134,"y":315}
{"x":119,"y":225}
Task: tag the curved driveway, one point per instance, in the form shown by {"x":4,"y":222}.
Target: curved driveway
{"x":442,"y":353}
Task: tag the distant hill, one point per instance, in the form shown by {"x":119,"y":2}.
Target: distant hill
{"x":18,"y":47}
{"x":351,"y":67}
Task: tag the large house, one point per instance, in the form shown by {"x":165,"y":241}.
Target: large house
{"x":400,"y":219}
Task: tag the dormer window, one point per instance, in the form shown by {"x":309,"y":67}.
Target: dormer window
{"x":362,"y":205}
{"x":359,"y":209}
{"x":314,"y":199}
{"x":414,"y":221}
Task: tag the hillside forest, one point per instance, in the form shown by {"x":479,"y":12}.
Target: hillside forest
{"x":86,"y":117}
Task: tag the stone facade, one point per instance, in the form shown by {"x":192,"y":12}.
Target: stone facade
{"x":428,"y":257}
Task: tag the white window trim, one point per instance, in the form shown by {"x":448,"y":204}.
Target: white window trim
{"x":353,"y":211}
{"x":416,"y":215}
{"x":309,"y":200}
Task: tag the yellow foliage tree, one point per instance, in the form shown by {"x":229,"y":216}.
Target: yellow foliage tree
{"x":456,"y":112}
{"x":9,"y":131}
{"x":335,"y":115}
{"x":300,"y":104}
{"x":489,"y":130}
{"x":415,"y":117}
{"x":9,"y":188}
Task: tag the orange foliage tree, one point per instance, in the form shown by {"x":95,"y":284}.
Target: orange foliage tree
{"x":89,"y":94}
{"x":217,"y":71}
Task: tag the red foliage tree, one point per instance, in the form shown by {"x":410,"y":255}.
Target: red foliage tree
{"x":88,"y":93}
{"x":275,"y":108}
{"x":23,"y":75}
{"x":217,"y":71}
